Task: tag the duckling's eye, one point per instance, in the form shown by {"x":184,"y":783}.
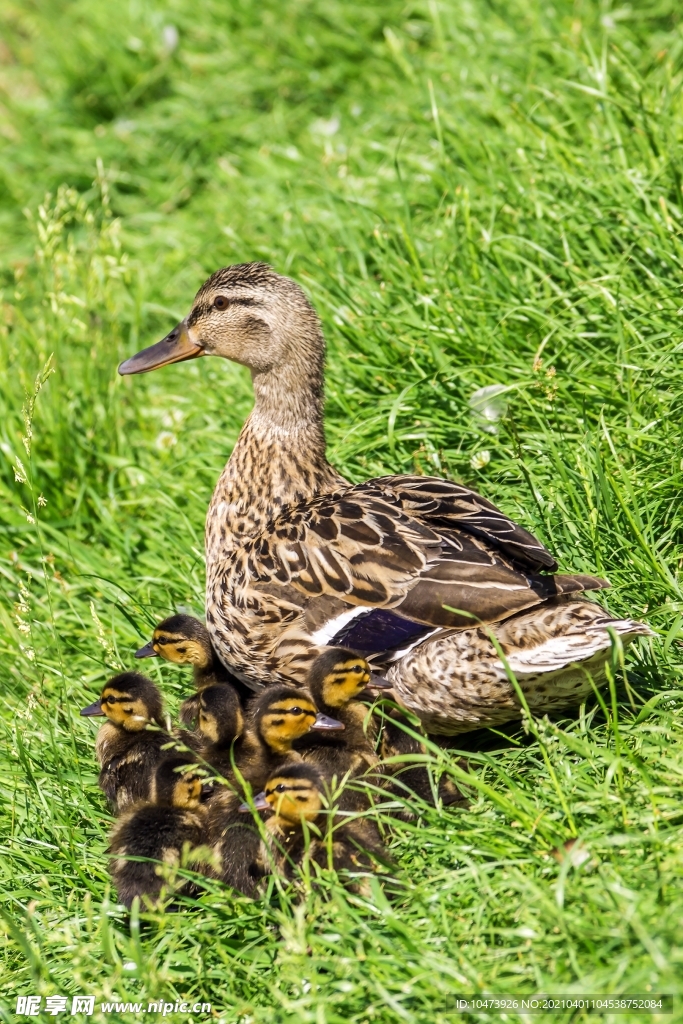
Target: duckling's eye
{"x":358,"y":668}
{"x":296,"y":711}
{"x":220,"y":302}
{"x":281,"y":788}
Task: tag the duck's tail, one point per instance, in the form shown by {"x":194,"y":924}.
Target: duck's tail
{"x":562,"y":633}
{"x":560,"y":585}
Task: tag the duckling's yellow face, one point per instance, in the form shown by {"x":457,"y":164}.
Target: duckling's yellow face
{"x":286,"y":720}
{"x":179,"y":649}
{"x":293,"y":799}
{"x":187,"y":792}
{"x":123,"y":709}
{"x":210,"y":727}
{"x":345,"y":680}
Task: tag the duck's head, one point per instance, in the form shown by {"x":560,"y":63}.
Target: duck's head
{"x":246,"y":313}
{"x":282,"y":715}
{"x":130,"y":701}
{"x":176,"y":783}
{"x":220,"y":717}
{"x":339,"y":675}
{"x":294,"y":792}
{"x":181,"y":639}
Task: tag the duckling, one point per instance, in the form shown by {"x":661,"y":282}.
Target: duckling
{"x":161,"y":829}
{"x":281,"y":716}
{"x":278,"y":717}
{"x":221,"y":724}
{"x":295,"y":794}
{"x":337,"y":678}
{"x":129,"y":744}
{"x":184,"y":640}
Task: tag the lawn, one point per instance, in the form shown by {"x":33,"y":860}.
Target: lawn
{"x":473,"y":193}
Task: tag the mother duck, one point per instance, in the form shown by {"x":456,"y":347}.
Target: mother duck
{"x":414,"y":572}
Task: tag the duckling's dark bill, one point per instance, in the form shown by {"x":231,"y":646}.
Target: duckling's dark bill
{"x":260,"y":803}
{"x":174,"y":348}
{"x":147,"y":651}
{"x":92,"y":710}
{"x":324,"y":722}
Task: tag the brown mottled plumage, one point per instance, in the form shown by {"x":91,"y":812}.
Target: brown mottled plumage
{"x":298,"y":559}
{"x":458,"y":682}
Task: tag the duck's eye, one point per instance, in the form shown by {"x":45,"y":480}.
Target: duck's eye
{"x":281,"y":788}
{"x":358,"y":668}
{"x":296,"y":711}
{"x":220,"y":302}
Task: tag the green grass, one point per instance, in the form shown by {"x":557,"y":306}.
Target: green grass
{"x":473,"y":193}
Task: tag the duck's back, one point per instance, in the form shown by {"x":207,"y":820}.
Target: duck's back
{"x":378,"y":568}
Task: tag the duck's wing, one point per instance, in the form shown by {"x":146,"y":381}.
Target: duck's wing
{"x":369,"y":574}
{"x":443,"y":505}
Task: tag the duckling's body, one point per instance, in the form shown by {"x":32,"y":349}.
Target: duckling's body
{"x":162,"y":830}
{"x":184,"y":640}
{"x":296,"y":833}
{"x":396,"y":568}
{"x":128,"y":745}
{"x":277,"y":718}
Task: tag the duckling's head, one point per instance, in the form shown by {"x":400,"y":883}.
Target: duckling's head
{"x":294,"y":792}
{"x":282,"y":715}
{"x":130,"y":701}
{"x":338,"y":676}
{"x":176,"y":784}
{"x":181,"y":639}
{"x":220,"y":718}
{"x":246,"y":313}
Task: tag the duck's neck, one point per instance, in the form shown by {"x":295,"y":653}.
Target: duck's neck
{"x":279,"y":458}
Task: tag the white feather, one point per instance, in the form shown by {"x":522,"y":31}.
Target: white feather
{"x":559,"y":651}
{"x":323,"y":636}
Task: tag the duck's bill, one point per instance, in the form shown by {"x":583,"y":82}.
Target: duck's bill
{"x":147,"y":651}
{"x":175,"y":348}
{"x":378,"y":682}
{"x":260,"y":803}
{"x":325,"y":723}
{"x":92,"y":710}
